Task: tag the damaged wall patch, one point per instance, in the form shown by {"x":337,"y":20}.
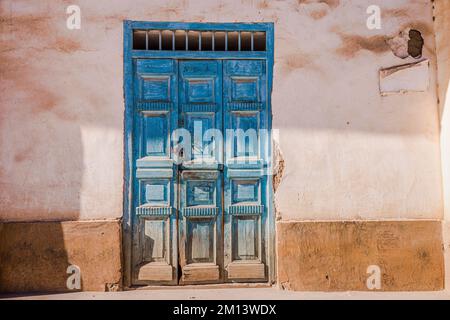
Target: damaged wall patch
{"x":408,"y":42}
{"x":411,"y":77}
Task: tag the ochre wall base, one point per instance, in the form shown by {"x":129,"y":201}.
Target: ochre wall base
{"x":334,"y":256}
{"x":311,"y":256}
{"x":34,"y":256}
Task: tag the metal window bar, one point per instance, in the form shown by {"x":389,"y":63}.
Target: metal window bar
{"x":239,"y":41}
{"x":226,"y":41}
{"x":160,"y":40}
{"x":173,"y":40}
{"x":146,"y":40}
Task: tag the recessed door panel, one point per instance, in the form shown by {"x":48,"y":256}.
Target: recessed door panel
{"x":201,"y":113}
{"x":200,"y":226}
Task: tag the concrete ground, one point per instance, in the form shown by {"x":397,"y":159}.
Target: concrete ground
{"x":230,"y":294}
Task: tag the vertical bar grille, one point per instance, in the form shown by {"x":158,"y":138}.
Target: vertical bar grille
{"x":191,"y":40}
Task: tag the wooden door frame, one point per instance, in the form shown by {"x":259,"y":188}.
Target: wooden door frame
{"x":129,"y":54}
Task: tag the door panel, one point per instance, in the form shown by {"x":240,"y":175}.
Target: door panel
{"x":154,"y":255}
{"x":245,"y":179}
{"x":200,"y":223}
{"x":200,"y":183}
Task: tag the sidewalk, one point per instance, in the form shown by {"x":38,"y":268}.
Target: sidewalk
{"x":231,"y":294}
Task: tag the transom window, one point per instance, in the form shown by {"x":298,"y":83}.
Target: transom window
{"x":192,"y":40}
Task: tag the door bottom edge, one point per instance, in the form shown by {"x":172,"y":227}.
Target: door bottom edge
{"x":235,"y":285}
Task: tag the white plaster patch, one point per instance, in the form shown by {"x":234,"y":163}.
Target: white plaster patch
{"x":412,"y":77}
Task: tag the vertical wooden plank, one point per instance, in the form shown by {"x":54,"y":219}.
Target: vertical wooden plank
{"x":128,"y":156}
{"x":175,"y":187}
{"x":271,"y":252}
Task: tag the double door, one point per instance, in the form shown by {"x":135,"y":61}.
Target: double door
{"x":200,"y":153}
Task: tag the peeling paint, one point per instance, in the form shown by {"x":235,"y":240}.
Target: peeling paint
{"x":399,"y":44}
{"x":279,"y":166}
{"x":331,"y":3}
{"x":395,"y":13}
{"x":317,"y":9}
{"x":409,"y":42}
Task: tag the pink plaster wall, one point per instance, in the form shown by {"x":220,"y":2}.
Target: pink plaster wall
{"x":349,"y":153}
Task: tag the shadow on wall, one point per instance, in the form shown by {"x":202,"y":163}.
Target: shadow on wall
{"x":50,"y":87}
{"x":33,"y":257}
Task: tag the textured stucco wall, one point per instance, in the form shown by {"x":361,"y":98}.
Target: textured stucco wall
{"x":335,"y":256}
{"x":349,"y":153}
{"x":35,"y":256}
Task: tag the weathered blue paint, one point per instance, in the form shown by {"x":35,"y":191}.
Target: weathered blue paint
{"x":163,"y":91}
{"x":128,"y":151}
{"x":198,"y":26}
{"x":200,"y":95}
{"x":199,"y":54}
{"x":245,"y":94}
{"x":200,"y":227}
{"x":155,"y":113}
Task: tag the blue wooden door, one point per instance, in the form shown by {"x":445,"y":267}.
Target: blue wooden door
{"x":200,"y":220}
{"x":154,"y":255}
{"x":246,"y":155}
{"x":200,"y":158}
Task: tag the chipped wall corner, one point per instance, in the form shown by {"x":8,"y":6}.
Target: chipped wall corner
{"x":277,"y":174}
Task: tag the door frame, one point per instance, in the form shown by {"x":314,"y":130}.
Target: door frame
{"x":129,"y":54}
